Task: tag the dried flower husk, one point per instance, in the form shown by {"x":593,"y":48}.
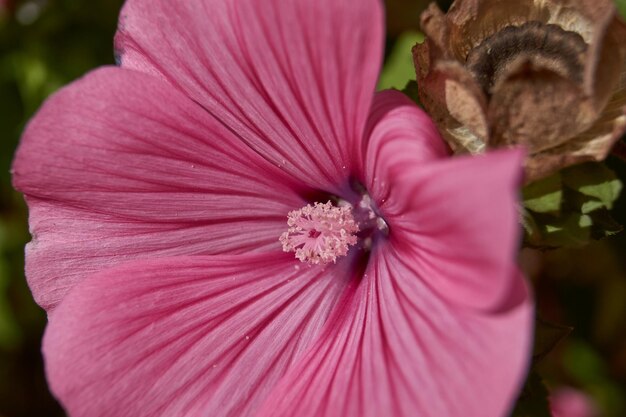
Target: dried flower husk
{"x":546,"y":74}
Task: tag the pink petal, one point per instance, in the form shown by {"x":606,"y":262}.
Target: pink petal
{"x":398,"y":129}
{"x":399,"y":349}
{"x":570,"y":402}
{"x":119,"y":165}
{"x":455,"y":221}
{"x":187,"y":336}
{"x":294,"y":79}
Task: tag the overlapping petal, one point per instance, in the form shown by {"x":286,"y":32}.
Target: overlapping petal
{"x":186,"y":336}
{"x":294,"y":79}
{"x":397,"y":129}
{"x":120,"y":165}
{"x":456,"y":219}
{"x":399,"y":348}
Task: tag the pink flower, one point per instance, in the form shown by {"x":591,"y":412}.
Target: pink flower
{"x":570,"y":402}
{"x":163,"y":193}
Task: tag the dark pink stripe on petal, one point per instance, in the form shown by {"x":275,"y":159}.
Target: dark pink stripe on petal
{"x":399,"y":349}
{"x":400,"y":136}
{"x":189,"y":336}
{"x":457,"y":221}
{"x":292,"y":78}
{"x":119,"y":165}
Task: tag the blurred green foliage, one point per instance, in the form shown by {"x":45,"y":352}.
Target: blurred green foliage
{"x":398,"y":69}
{"x":571,"y":207}
{"x":43,"y":45}
{"x":621,"y":6}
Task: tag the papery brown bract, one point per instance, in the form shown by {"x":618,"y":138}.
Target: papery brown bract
{"x":546,"y":74}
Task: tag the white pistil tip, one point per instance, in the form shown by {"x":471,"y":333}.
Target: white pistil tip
{"x":320,"y":233}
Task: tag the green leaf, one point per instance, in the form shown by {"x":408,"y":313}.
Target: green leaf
{"x":572,"y":230}
{"x":621,"y":6}
{"x":533,"y":400}
{"x":544,"y":196}
{"x":399,"y":69}
{"x":571,"y":208}
{"x":547,"y":336}
{"x":596,"y":181}
{"x":533,"y":234}
{"x":591,"y":205}
{"x":569,"y":230}
{"x":603,"y":224}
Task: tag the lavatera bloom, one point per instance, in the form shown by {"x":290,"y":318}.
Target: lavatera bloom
{"x":234,"y":224}
{"x":546,"y":74}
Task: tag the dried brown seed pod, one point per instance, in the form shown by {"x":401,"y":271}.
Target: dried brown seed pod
{"x":547,"y":74}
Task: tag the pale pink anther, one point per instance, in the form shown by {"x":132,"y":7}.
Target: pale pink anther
{"x":320,"y":233}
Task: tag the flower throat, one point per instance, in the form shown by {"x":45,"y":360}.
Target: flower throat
{"x":319,"y":233}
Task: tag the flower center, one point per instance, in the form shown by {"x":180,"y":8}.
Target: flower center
{"x":320,"y":233}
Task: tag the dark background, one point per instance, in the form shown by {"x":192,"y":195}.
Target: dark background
{"x":46,"y":44}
